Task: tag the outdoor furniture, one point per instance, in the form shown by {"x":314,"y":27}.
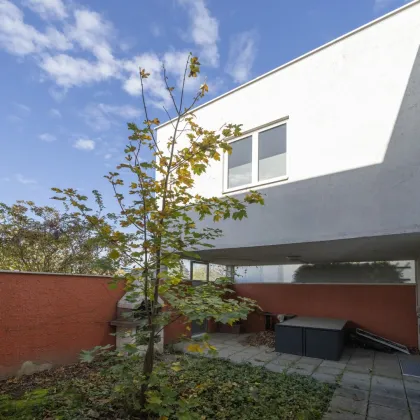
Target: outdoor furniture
{"x":321,"y":338}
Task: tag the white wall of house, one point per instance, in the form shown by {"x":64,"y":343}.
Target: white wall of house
{"x":353,"y":138}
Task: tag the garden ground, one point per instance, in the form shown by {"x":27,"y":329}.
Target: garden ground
{"x":213,"y":389}
{"x":369,"y":383}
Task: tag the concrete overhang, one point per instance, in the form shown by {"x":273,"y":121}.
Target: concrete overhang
{"x":376,"y":248}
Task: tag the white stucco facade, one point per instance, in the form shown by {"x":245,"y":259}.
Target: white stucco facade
{"x":352,"y":110}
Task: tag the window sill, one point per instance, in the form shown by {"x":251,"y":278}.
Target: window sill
{"x":257,"y":186}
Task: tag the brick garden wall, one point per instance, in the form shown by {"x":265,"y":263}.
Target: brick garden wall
{"x":386,"y":310}
{"x":49,"y":318}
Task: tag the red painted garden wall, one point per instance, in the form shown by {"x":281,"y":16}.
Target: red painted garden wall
{"x":50,"y":318}
{"x":386,"y":310}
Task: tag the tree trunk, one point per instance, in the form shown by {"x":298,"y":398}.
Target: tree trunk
{"x":148,"y":365}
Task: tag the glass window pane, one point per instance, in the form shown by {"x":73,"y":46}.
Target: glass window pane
{"x":216,"y":271}
{"x":199,"y":271}
{"x":272,"y":153}
{"x":185,"y":269}
{"x":240,"y":163}
{"x":380,"y":272}
{"x":397,"y":272}
{"x":247,"y":274}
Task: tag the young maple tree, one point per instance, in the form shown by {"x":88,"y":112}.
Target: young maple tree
{"x":160,"y":210}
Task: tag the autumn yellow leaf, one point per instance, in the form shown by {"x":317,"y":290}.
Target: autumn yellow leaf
{"x":195,"y":348}
{"x":176,"y":367}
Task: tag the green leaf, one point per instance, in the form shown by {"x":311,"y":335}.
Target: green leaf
{"x":114,"y":254}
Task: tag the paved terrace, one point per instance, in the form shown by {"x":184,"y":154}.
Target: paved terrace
{"x":371,"y":385}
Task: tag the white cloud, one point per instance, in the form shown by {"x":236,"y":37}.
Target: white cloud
{"x":56,"y":50}
{"x":108,"y":156}
{"x":242,"y":54}
{"x":21,"y":39}
{"x":26,"y":181}
{"x":92,"y":33}
{"x":55,"y":113}
{"x":47,"y":137}
{"x":84,"y":144}
{"x":154,"y":84}
{"x":68,"y":71}
{"x":204,"y":30}
{"x":5,"y":179}
{"x":101,"y":116}
{"x":48,"y":9}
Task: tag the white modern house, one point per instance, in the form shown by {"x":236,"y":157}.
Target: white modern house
{"x":332,"y":140}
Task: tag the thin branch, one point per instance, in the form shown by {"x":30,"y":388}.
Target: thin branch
{"x":143,"y":96}
{"x":168,"y":88}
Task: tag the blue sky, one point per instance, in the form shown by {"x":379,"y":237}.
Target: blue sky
{"x":69,"y":72}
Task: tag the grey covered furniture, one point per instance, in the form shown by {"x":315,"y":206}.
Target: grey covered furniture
{"x":322,"y":338}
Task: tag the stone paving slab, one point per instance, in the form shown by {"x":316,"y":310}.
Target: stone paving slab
{"x":254,"y":362}
{"x":356,"y":394}
{"x":322,"y":377}
{"x":343,"y":415}
{"x":389,"y":392}
{"x":240,"y":357}
{"x":416,"y":415}
{"x":385,"y":413}
{"x":364,"y":353}
{"x":226,"y":352}
{"x":387,"y":382}
{"x":356,"y":375}
{"x":306,"y":368}
{"x":273,"y":367}
{"x":339,"y":403}
{"x":387,"y":363}
{"x":355,"y":383}
{"x":411,"y":382}
{"x":302,"y":372}
{"x":388,"y":401}
{"x":310,"y":361}
{"x":329,"y":370}
{"x":358,"y":368}
{"x":290,"y":357}
{"x":282,"y":362}
{"x":389,"y":373}
{"x":264,"y":357}
{"x":413,"y":395}
{"x":252,"y":351}
{"x":414,"y":405}
{"x":333,"y":364}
